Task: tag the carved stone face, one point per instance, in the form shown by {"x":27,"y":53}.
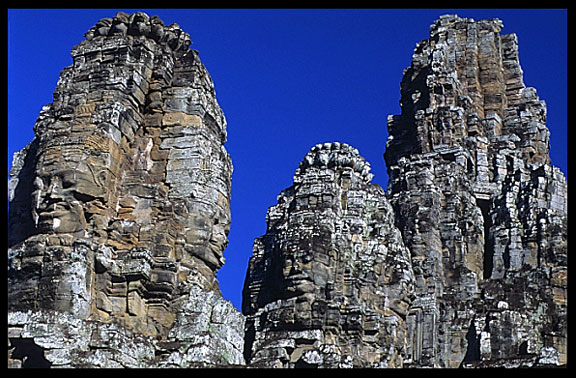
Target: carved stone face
{"x":219,"y":236}
{"x":296,"y":276}
{"x":198,"y":170}
{"x":137,"y":172}
{"x":56,"y":207}
{"x":206,"y":237}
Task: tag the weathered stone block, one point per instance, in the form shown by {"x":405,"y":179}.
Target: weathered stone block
{"x":295,"y":284}
{"x":100,"y":191}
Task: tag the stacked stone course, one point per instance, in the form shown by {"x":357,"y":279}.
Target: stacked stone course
{"x":120,"y":210}
{"x":329,"y":283}
{"x":120,"y":206}
{"x":478,"y":204}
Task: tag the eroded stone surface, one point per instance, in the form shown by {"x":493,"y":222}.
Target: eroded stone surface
{"x":329,"y":283}
{"x":480,"y":208}
{"x":120,"y":206}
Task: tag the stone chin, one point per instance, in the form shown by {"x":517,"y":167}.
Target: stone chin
{"x":209,"y":251}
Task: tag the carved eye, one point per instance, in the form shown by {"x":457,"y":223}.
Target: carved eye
{"x":67,"y":179}
{"x":67,"y":183}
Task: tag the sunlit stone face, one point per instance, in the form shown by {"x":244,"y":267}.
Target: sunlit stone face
{"x":206,"y":238}
{"x":331,"y":262}
{"x":129,"y":162}
{"x":296,"y":277}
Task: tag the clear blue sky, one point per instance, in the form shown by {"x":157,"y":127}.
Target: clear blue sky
{"x":287,"y":80}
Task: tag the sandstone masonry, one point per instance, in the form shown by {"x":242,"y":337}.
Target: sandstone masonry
{"x":480,"y":208}
{"x":120,"y":207}
{"x":120,"y":210}
{"x":329,"y":284}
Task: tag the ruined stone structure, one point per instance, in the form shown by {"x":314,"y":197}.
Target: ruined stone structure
{"x":120,"y":206}
{"x":329,"y":283}
{"x":480,"y":208}
{"x":120,"y":210}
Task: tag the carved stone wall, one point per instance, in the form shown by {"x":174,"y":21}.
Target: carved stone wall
{"x":120,"y":210}
{"x":480,"y":208}
{"x":329,"y":283}
{"x":120,"y":206}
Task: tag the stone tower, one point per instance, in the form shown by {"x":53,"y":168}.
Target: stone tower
{"x":478,"y":204}
{"x":329,"y":283}
{"x":120,"y":211}
{"x":120,"y":206}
